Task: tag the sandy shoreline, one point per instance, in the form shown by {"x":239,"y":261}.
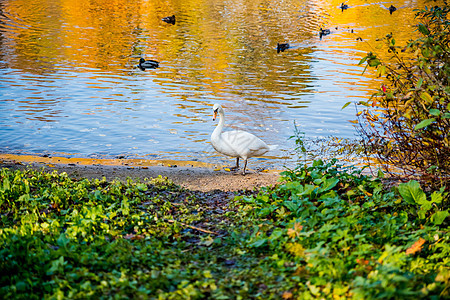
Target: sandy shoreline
{"x":191,"y":175}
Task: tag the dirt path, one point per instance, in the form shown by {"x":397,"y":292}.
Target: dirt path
{"x":191,"y":175}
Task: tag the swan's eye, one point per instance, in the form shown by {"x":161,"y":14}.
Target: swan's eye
{"x":216,"y":110}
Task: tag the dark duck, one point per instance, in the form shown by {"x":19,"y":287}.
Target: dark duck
{"x":281,"y":47}
{"x":170,"y":19}
{"x":343,"y":6}
{"x":323,"y":32}
{"x":391,"y":9}
{"x":147,"y":64}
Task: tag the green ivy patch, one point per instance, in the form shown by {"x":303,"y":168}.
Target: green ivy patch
{"x":324,"y":232}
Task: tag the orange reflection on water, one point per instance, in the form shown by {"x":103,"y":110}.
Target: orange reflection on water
{"x":73,"y":62}
{"x":216,"y":44}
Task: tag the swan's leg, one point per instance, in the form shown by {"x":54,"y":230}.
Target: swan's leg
{"x":237,"y":165}
{"x":245,"y":166}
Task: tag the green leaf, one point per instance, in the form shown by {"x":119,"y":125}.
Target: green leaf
{"x":276,"y":234}
{"x":436,"y":197}
{"x":423,"y":29}
{"x":291,"y":205}
{"x":258,"y":243}
{"x":424,"y":123}
{"x":6,"y":184}
{"x":422,"y":213}
{"x":62,"y":240}
{"x":438,"y":217}
{"x":435,"y":112}
{"x":362,"y":60}
{"x":346,"y":104}
{"x":142,"y":187}
{"x":328,"y":184}
{"x":374,"y":62}
{"x":446,"y":116}
{"x":365,"y":68}
{"x":419,"y":83}
{"x":382,"y":70}
{"x":309,"y":188}
{"x":412,"y":193}
{"x":266,"y":211}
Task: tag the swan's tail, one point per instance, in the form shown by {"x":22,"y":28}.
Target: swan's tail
{"x":272,"y":147}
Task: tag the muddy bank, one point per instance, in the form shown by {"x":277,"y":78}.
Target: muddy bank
{"x":192,"y":175}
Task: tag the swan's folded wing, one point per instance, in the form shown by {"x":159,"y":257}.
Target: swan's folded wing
{"x":245,"y":143}
{"x":239,"y":138}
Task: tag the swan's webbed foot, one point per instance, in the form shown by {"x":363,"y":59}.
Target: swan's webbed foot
{"x":243,"y":173}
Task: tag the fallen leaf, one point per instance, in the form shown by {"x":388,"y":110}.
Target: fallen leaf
{"x":416,"y":247}
{"x":299,"y":271}
{"x":287,"y":295}
{"x":292,"y":232}
{"x":132,"y":236}
{"x":362,"y":261}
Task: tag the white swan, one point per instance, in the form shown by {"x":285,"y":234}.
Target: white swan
{"x":238,"y":143}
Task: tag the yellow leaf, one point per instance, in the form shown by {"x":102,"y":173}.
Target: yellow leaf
{"x":50,"y":165}
{"x":287,"y":295}
{"x":293,"y":232}
{"x":383,"y":256}
{"x":298,"y":227}
{"x":295,"y":249}
{"x":426,"y":97}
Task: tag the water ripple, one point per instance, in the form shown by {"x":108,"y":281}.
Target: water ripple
{"x":70,"y":83}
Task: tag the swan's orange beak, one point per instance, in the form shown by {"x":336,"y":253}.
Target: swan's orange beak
{"x":214,"y":115}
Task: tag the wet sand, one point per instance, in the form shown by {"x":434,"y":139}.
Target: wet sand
{"x":191,"y":175}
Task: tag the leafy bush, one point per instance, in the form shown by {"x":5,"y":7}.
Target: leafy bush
{"x":342,"y":235}
{"x":324,"y":232}
{"x":410,"y":127}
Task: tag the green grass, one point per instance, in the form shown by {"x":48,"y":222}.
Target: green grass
{"x":323,"y":232}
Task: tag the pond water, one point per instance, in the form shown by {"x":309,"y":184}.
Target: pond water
{"x":69,"y":83}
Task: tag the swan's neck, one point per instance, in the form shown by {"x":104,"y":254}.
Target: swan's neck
{"x":219,"y":127}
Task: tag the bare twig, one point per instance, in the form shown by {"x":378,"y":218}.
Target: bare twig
{"x":193,"y":227}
